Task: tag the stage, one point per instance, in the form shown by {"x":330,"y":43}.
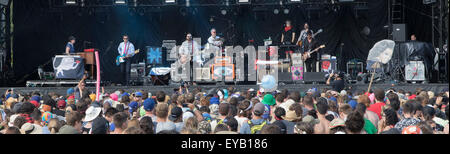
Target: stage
{"x":291,"y":87}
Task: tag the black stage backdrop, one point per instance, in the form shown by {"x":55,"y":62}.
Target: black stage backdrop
{"x":41,"y":33}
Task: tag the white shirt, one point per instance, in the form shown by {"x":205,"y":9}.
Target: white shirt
{"x":129,"y":47}
{"x":212,"y":43}
{"x":189,"y":48}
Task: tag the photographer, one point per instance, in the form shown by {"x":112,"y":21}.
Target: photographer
{"x":338,"y":84}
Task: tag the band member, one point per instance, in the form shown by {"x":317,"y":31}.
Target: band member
{"x":70,"y":49}
{"x":126,"y":48}
{"x":188,"y":47}
{"x":304,"y":32}
{"x":214,"y":41}
{"x":413,"y":37}
{"x":310,"y":44}
{"x":288,"y":34}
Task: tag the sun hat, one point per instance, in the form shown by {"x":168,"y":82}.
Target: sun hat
{"x":29,"y":128}
{"x":92,"y":113}
{"x":268,"y":100}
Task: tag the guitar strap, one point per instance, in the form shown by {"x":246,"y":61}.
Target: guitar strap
{"x":126,"y":50}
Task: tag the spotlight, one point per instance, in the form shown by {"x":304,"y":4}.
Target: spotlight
{"x":286,"y":11}
{"x":276,"y":11}
{"x":243,"y":1}
{"x":224,"y":12}
{"x":120,"y":2}
{"x":167,"y":2}
{"x":295,"y":1}
{"x":70,"y":2}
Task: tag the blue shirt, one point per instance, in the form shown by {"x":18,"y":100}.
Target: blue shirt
{"x":129,"y":49}
{"x":70,"y":46}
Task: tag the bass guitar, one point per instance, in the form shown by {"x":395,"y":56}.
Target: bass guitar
{"x":307,"y":54}
{"x":121,"y":58}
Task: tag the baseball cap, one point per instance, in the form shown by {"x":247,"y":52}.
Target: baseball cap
{"x":310,"y":119}
{"x":36,"y":98}
{"x":214,"y":100}
{"x":132,"y":106}
{"x":352,"y":103}
{"x":259,"y":109}
{"x":138,"y":94}
{"x":70,"y":91}
{"x":175,"y":113}
{"x":99,"y":125}
{"x":149,"y":104}
{"x":61,"y":104}
{"x":17,"y":107}
{"x":124,"y":94}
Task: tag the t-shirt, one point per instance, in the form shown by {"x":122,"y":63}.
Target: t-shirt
{"x":377,"y":107}
{"x":406,"y":122}
{"x":240,"y":121}
{"x":179,"y":126}
{"x":338,"y":85}
{"x":369,"y":127}
{"x":168,"y":125}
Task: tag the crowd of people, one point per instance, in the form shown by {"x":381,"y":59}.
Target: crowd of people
{"x":226,"y":111}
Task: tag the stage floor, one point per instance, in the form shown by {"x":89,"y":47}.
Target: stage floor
{"x":291,"y":87}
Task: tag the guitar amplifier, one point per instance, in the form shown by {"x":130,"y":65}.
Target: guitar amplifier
{"x":202,"y":74}
{"x":415,"y":71}
{"x":353,"y":68}
{"x":137,"y":70}
{"x":297,"y":59}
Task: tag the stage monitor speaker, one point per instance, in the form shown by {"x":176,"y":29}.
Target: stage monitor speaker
{"x":284,"y":77}
{"x":318,"y":77}
{"x":399,"y":32}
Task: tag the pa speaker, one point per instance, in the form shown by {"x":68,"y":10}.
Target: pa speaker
{"x":314,"y":77}
{"x":399,"y":32}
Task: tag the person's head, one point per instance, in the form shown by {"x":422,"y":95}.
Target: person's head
{"x":322,"y":106}
{"x":176,"y":115}
{"x":189,"y":36}
{"x":361,"y":108}
{"x":428,"y":113}
{"x":120,"y":120}
{"x":418,"y":109}
{"x":213,"y":32}
{"x":309,"y":34}
{"x":146,"y":124}
{"x":279,"y":113}
{"x":297,"y":108}
{"x":408,"y":108}
{"x":390,"y":116}
{"x":133,"y":130}
{"x":355,"y":123}
{"x":224,"y":108}
{"x":345,"y":110}
{"x":162,"y":110}
{"x":308,"y":101}
{"x":221,"y":127}
{"x":270,"y":129}
{"x":413,"y":37}
{"x":244,"y":108}
{"x":133,"y":123}
{"x":27,"y":108}
{"x":379,"y":95}
{"x":232,"y":124}
{"x":258,"y":110}
{"x":19,"y":121}
{"x":425,"y":127}
{"x":160,"y":97}
{"x":12,"y":130}
{"x":109,"y":113}
{"x":72,"y":39}
{"x":295,"y":95}
{"x":306,"y":26}
{"x":364,"y":99}
{"x":303,"y":128}
{"x":54,"y":125}
{"x":125,"y":38}
{"x":74,"y":119}
{"x":288,"y":23}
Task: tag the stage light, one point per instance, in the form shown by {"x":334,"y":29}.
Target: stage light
{"x":188,"y":3}
{"x":276,"y":11}
{"x":170,"y":2}
{"x":120,"y":2}
{"x":286,"y":11}
{"x":243,"y":2}
{"x":295,"y":1}
{"x":70,"y":2}
{"x":224,"y":12}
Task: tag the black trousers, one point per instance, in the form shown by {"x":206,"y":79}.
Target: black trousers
{"x":310,"y":65}
{"x":125,"y":68}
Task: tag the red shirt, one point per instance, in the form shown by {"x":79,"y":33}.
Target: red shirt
{"x":376,"y":108}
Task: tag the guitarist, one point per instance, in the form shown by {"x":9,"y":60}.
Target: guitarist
{"x":126,"y":48}
{"x":310,"y":44}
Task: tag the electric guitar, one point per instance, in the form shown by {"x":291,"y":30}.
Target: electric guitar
{"x":300,"y":41}
{"x":121,"y":58}
{"x":307,"y":54}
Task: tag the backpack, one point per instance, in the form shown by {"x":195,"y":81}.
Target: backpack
{"x":255,"y":129}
